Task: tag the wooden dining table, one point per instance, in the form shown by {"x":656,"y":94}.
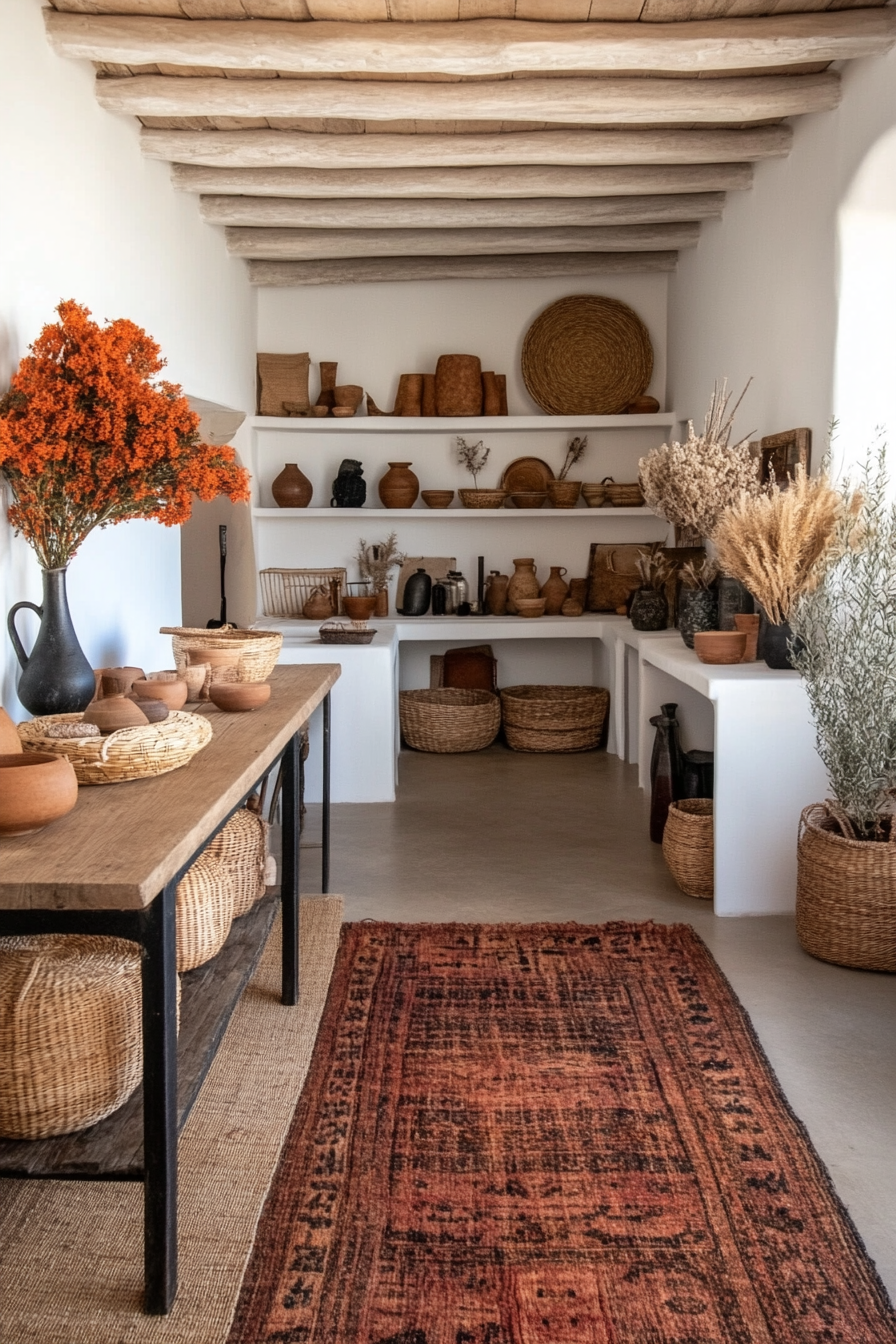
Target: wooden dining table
{"x":111,"y":867}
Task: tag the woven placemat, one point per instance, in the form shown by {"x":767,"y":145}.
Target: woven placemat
{"x":586,"y":355}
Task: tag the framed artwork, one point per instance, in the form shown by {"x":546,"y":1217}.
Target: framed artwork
{"x":780,"y":453}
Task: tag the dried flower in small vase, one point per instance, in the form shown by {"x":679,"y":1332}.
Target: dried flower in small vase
{"x":575,"y":451}
{"x":655,"y":569}
{"x":473,"y":456}
{"x":375,"y":561}
{"x":701,"y":576}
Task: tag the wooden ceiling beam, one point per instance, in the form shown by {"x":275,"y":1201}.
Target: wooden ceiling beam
{"x":504,"y":183}
{"x":381,"y":270}
{"x":270,"y":212}
{"x":286,"y":149}
{"x":319,"y":244}
{"x":590,"y":101}
{"x":473,"y":47}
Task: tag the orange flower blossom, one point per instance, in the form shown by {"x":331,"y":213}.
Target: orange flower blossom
{"x":87,"y":438}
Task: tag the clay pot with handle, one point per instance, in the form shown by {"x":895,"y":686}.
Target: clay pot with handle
{"x":554,"y":591}
{"x":523,"y":583}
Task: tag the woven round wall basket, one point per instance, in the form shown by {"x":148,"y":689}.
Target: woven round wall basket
{"x":259,"y":649}
{"x":449,"y":720}
{"x":130,"y":753}
{"x":688,"y":846}
{"x":554,"y":718}
{"x":586,"y":355}
{"x":70,"y":1032}
{"x":845,"y":895}
{"x":242,"y":847}
{"x":205,"y":900}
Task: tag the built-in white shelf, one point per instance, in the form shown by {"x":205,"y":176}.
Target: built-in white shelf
{"x":446,"y":424}
{"x":457,"y":514}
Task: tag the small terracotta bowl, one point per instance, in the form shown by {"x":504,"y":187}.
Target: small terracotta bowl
{"x":359,"y":608}
{"x":35,"y":789}
{"x":720,"y":646}
{"x":153,"y":710}
{"x":343,"y":412}
{"x":437,"y":499}
{"x":530,"y":606}
{"x":238,"y":696}
{"x":172,"y":694}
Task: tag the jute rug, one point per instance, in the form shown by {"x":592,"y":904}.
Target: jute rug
{"x":548,"y":1134}
{"x":71,"y":1253}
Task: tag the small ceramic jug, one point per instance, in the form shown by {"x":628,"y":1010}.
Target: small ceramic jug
{"x":554,"y":591}
{"x":496,"y":593}
{"x":523,"y":583}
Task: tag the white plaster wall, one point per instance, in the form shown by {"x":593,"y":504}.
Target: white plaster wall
{"x":84,"y":216}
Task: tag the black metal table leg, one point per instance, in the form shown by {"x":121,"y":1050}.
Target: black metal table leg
{"x":325,"y":811}
{"x":159,"y":986}
{"x":289,"y":878}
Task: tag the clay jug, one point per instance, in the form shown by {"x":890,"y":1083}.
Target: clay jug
{"x":554,"y":591}
{"x":292,"y":488}
{"x":523,"y":583}
{"x":496,"y":593}
{"x":399,"y":487}
{"x":10,"y":742}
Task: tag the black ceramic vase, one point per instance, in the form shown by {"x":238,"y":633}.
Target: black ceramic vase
{"x":698,"y":609}
{"x":734,"y":600}
{"x":649,"y":610}
{"x":417,"y":592}
{"x":773,"y":645}
{"x":665,"y":770}
{"x":349,"y":487}
{"x":56,"y":676}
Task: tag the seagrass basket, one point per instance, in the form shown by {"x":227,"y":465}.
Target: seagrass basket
{"x":259,"y":649}
{"x":688,"y":846}
{"x":242,"y":848}
{"x":449,"y":719}
{"x":129,"y":753}
{"x":624,"y":494}
{"x":205,"y":901}
{"x":70,"y":1031}
{"x":845,"y":895}
{"x":554,"y":718}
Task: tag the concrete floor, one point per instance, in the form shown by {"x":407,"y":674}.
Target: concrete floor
{"x":499,"y":836}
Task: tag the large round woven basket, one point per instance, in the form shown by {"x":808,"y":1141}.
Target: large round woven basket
{"x":688,"y":846}
{"x":130,"y":753}
{"x":586,"y":355}
{"x":449,"y":720}
{"x":845,"y":895}
{"x":70,"y":1032}
{"x":554,"y":718}
{"x":205,"y":900}
{"x":242,"y":847}
{"x":259,"y":649}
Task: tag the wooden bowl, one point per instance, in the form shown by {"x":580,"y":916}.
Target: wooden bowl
{"x":359,"y":608}
{"x":528,"y":499}
{"x":437,"y":499}
{"x":720,"y":646}
{"x":172,"y":694}
{"x":239,"y":696}
{"x":530,"y":606}
{"x":35,"y":789}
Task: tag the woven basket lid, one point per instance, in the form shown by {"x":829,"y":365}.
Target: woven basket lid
{"x":586,"y":355}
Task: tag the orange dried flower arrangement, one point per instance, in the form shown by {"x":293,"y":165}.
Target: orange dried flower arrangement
{"x":88,"y":438}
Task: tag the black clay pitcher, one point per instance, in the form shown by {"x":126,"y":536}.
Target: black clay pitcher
{"x":56,"y":677}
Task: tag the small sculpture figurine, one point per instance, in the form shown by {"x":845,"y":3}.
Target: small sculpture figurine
{"x":349,"y":487}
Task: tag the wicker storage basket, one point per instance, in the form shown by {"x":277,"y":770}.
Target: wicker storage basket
{"x":129,"y":753}
{"x":625,"y":494}
{"x":259,"y":649}
{"x":242,"y":849}
{"x":205,"y":901}
{"x":70,"y":1034}
{"x":448,"y":720}
{"x":554,"y":718}
{"x":284,"y":592}
{"x":845,"y":895}
{"x":688,"y":846}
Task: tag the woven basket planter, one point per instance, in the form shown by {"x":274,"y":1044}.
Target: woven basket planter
{"x":130,"y":753}
{"x":449,"y":720}
{"x":205,"y":901}
{"x":70,"y":1035}
{"x":845,"y":895}
{"x":688,"y":846}
{"x":554,"y":718}
{"x":259,"y":649}
{"x":241,"y":848}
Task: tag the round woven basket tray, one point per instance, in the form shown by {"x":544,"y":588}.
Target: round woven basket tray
{"x":449,"y":720}
{"x":554,"y":718}
{"x":259,"y":649}
{"x":129,"y":753}
{"x":688,"y":846}
{"x":586,"y":355}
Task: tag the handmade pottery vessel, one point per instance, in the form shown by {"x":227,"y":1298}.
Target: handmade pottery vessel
{"x":496,"y":593}
{"x":224,"y":664}
{"x":35,"y":789}
{"x":196,"y":676}
{"x":530,"y":606}
{"x":172,"y":694}
{"x":239,"y":697}
{"x":399,"y":488}
{"x":720,"y":646}
{"x":359,"y":608}
{"x":154,"y":710}
{"x":349,"y":487}
{"x":649,"y":610}
{"x":594,"y":494}
{"x":115,"y":710}
{"x":564,"y":494}
{"x":554,"y":590}
{"x":56,"y":676}
{"x":523,"y":583}
{"x":698,"y":609}
{"x":750,"y":627}
{"x":437,"y":499}
{"x":124,"y":676}
{"x":10,"y":742}
{"x":327,"y":396}
{"x":292,"y":488}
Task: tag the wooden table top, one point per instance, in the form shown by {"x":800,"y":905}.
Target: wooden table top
{"x":122,"y":842}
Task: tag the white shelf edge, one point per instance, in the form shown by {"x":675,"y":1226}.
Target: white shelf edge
{"x":466,"y":514}
{"x":492,"y":424}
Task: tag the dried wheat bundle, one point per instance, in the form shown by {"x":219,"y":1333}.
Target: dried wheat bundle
{"x":375,"y":562}
{"x":654,"y":568}
{"x":699,"y":576}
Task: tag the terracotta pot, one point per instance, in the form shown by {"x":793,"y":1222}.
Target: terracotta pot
{"x":222,"y":664}
{"x":458,"y":385}
{"x":196,"y":676}
{"x":319,"y":606}
{"x":428,"y":397}
{"x":239,"y":697}
{"x":327,"y":395}
{"x":123,"y":676}
{"x":437,"y":499}
{"x":399,"y":488}
{"x":564,"y":494}
{"x":35,"y":789}
{"x":359,"y":608}
{"x":348,"y":395}
{"x":530,"y":606}
{"x":292,"y":488}
{"x":554,"y":591}
{"x":496,"y":593}
{"x":750,"y":627}
{"x":572,"y":608}
{"x":114,"y":711}
{"x":382,"y":603}
{"x":10,"y":743}
{"x":523,"y":583}
{"x":172,"y":694}
{"x":154,"y":711}
{"x":720,"y":646}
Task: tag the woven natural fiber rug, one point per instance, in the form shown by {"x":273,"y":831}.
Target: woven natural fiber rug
{"x":548,"y":1134}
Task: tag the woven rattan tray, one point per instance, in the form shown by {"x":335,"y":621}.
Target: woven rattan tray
{"x":586,"y":355}
{"x":345,"y":634}
{"x":129,"y":753}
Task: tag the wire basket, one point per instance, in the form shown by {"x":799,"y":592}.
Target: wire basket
{"x":284,"y":592}
{"x":130,"y":753}
{"x":449,"y":720}
{"x":688,"y":846}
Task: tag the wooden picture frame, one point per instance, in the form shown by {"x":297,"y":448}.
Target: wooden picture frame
{"x":780,"y":453}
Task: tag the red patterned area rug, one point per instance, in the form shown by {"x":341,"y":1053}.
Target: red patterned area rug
{"x":548,"y":1134}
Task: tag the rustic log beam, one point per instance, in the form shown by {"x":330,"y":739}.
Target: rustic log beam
{"x":269,"y":212}
{"x":504,"y":183}
{"x":320,"y":244}
{"x":380,"y":270}
{"x":589,"y":101}
{"x":296,"y":149}
{"x":472,"y":47}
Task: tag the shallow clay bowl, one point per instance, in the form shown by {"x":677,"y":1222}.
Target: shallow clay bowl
{"x":238,"y":696}
{"x":528,"y":499}
{"x":359,"y":608}
{"x":343,"y":412}
{"x":154,"y":710}
{"x":35,"y":789}
{"x":437,"y":499}
{"x":173,"y":694}
{"x":720,"y":646}
{"x":530,"y":606}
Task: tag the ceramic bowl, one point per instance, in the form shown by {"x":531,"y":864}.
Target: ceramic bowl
{"x":172,"y":694}
{"x":437,"y":499}
{"x":530,"y":606}
{"x":114,"y":711}
{"x":343,"y":412}
{"x":35,"y":789}
{"x":359,"y":608}
{"x":196,"y":675}
{"x":528,"y":499}
{"x":720,"y":646}
{"x":237,"y":697}
{"x":153,"y":710}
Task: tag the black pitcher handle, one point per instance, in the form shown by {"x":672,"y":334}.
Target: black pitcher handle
{"x":13,"y":632}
